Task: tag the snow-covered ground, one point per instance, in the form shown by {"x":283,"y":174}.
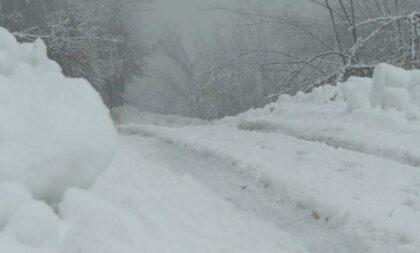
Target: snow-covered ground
{"x":141,"y":205}
{"x":345,"y":155}
{"x":334,"y":171}
{"x":69,"y":183}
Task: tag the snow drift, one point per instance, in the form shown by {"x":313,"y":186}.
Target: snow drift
{"x":55,"y":132}
{"x":379,"y":116}
{"x":391,"y":88}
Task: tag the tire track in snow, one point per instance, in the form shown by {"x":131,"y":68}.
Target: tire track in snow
{"x":357,"y":228}
{"x":258,"y":198}
{"x":332,"y":138}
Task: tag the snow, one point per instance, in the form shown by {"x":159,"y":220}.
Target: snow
{"x":356,"y":93}
{"x":34,"y":225}
{"x":392,"y":87}
{"x":12,"y":196}
{"x":139,"y":205}
{"x":347,"y":154}
{"x":26,"y":225}
{"x":336,"y":170}
{"x":360,"y":194}
{"x":45,"y":120}
{"x":127,"y":114}
{"x":69,"y":183}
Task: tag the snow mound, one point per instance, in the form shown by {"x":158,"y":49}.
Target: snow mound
{"x":390,"y":88}
{"x":26,"y":225}
{"x":392,"y":93}
{"x":47,"y":140}
{"x":379,"y":116}
{"x":356,"y":93}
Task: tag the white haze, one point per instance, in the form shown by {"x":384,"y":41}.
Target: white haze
{"x":195,"y":18}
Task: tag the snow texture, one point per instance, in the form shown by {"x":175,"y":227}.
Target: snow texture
{"x":55,"y":132}
{"x":348,"y":154}
{"x":69,"y":184}
{"x":140,"y":205}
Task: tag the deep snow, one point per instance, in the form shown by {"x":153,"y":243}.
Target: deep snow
{"x":69,"y":184}
{"x":347,"y":154}
{"x":372,"y":198}
{"x":55,"y":132}
{"x":140,"y":205}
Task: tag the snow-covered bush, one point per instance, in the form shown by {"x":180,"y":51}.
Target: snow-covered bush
{"x":55,"y":132}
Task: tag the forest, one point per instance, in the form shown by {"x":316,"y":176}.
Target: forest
{"x":209,"y":126}
{"x":257,"y":52}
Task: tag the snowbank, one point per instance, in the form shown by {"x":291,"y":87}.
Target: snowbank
{"x":26,"y":225}
{"x":391,"y":88}
{"x":55,"y":132}
{"x":379,"y":116}
{"x":395,"y":88}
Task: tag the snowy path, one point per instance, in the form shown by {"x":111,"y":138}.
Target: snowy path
{"x":259,"y":200}
{"x":141,"y":205}
{"x":399,"y":146}
{"x":369,"y":203}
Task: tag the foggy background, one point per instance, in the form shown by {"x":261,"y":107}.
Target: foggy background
{"x":213,"y":58}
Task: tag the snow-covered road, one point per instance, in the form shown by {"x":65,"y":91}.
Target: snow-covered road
{"x":147,"y":202}
{"x":260,"y":201}
{"x":327,"y":199}
{"x":332,"y":171}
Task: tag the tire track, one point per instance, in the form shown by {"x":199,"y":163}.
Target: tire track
{"x":359,"y":142}
{"x":245,"y":194}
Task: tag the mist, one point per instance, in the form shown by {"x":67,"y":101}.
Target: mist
{"x":210,"y":58}
{"x":194,"y":19}
{"x":209,"y":126}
